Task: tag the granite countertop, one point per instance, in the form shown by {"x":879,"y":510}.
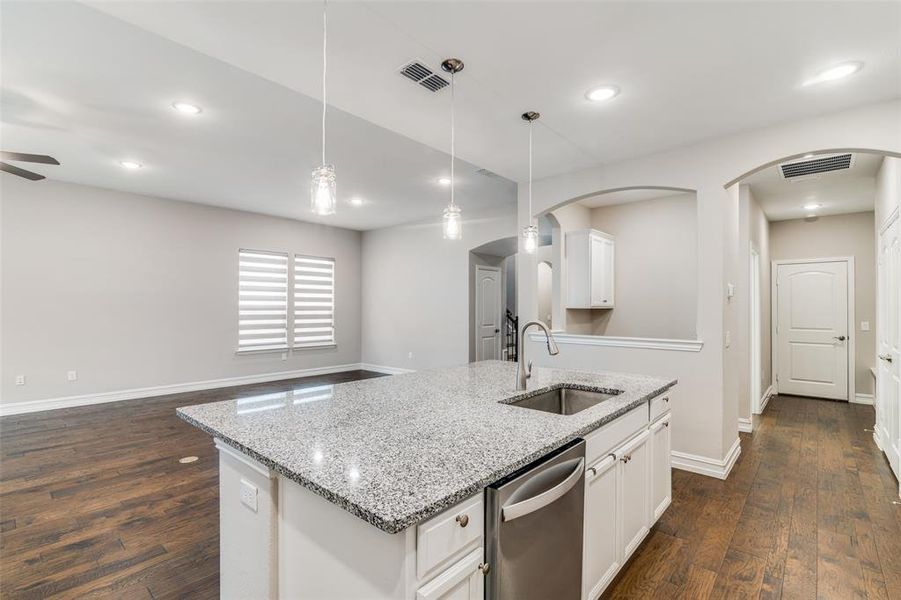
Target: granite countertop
{"x":397,"y":450}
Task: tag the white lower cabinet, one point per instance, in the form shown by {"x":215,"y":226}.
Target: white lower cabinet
{"x":634,"y":466}
{"x":601,"y":551}
{"x":463,"y":581}
{"x":661,"y":472}
{"x":626,"y":491}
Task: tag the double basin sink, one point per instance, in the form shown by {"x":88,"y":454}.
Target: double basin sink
{"x":564,"y":400}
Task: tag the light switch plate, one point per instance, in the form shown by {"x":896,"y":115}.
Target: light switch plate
{"x":864,"y":325}
{"x":728,"y":338}
{"x":249,"y":495}
{"x":20,"y":380}
{"x":72,"y":375}
{"x":730,"y":291}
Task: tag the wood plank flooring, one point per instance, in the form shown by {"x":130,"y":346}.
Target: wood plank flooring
{"x":806,"y":513}
{"x":93,"y":503}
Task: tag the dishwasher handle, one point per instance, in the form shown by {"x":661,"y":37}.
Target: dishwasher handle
{"x":530,"y":505}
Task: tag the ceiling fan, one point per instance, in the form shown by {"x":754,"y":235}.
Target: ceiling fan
{"x":22,"y":157}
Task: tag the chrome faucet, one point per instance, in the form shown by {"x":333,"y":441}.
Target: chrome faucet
{"x":523,"y":372}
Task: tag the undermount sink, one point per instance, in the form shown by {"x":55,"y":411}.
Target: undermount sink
{"x":564,"y":400}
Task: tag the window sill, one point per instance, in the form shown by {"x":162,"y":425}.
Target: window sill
{"x":285,"y":349}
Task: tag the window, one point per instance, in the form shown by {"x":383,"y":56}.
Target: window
{"x":268,"y":318}
{"x":314,"y":301}
{"x":262,"y":300}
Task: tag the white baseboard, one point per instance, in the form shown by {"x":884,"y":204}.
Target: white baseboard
{"x":745,"y":425}
{"x":862,"y":399}
{"x":17,"y":408}
{"x":385,"y":369}
{"x":707,"y":466}
{"x":766,"y":399}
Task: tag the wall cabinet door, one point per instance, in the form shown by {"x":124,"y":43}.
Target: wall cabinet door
{"x":463,"y":581}
{"x":634,"y":467}
{"x":601,"y":272}
{"x":661,"y":471}
{"x":601,"y":536}
{"x":589,"y":269}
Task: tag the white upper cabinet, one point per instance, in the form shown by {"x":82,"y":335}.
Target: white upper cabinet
{"x":589,"y":269}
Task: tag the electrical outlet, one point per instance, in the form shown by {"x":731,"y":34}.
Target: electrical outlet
{"x":728,"y":338}
{"x":72,"y":375}
{"x":284,"y":356}
{"x":20,"y":380}
{"x":249,"y":495}
{"x":864,"y":325}
{"x":409,"y":355}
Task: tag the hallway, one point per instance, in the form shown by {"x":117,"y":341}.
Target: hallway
{"x":806,"y":513}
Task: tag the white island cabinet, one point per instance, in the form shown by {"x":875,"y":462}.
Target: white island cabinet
{"x":375,"y":490}
{"x":627,"y":488}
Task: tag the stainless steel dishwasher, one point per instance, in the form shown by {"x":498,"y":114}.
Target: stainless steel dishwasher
{"x":533,"y":529}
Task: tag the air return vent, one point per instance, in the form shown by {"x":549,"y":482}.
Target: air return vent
{"x":816,"y":165}
{"x":424,"y":76}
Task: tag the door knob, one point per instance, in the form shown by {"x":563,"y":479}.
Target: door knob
{"x":886,"y":357}
{"x":840,"y":338}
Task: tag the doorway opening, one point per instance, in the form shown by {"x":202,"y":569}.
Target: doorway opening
{"x":492,"y":301}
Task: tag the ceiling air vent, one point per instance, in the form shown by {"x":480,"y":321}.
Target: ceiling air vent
{"x":424,"y":76}
{"x":814,"y":166}
{"x":487,"y":173}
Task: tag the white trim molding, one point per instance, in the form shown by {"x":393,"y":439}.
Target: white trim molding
{"x":769,"y":393}
{"x":29,"y":406}
{"x":745,"y":425}
{"x":385,"y":369}
{"x":707,"y":466}
{"x":859,"y":398}
{"x":622,"y":342}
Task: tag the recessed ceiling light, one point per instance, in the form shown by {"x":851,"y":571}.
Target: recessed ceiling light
{"x":130,"y":164}
{"x":356,"y":201}
{"x":601,"y":93}
{"x":186,"y":108}
{"x":837,"y":72}
{"x":444,"y":180}
{"x":812,"y":206}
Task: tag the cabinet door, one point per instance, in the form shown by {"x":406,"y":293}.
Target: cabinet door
{"x":634,"y":468}
{"x":601,"y":272}
{"x":661,"y":472}
{"x":462,"y":581}
{"x":601,"y":554}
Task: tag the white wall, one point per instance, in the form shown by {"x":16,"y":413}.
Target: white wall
{"x":133,"y":291}
{"x":888,"y":188}
{"x":840,"y":235}
{"x":705,"y":423}
{"x":416,"y":291}
{"x":753,"y":231}
{"x":656,"y":269}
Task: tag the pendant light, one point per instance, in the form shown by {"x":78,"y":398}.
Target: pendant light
{"x":453,"y":224}
{"x":530,"y":232}
{"x":323,"y":197}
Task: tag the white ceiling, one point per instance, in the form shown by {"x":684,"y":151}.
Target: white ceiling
{"x":89,"y":88}
{"x":840,"y":192}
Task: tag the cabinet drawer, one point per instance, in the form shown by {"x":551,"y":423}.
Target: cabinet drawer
{"x":603,"y":440}
{"x":445,"y":535}
{"x":660,"y":406}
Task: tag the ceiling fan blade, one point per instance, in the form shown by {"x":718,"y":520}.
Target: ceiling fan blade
{"x":20,"y":172}
{"x":35,"y":158}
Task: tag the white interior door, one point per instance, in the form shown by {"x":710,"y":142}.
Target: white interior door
{"x":812,"y":329}
{"x":888,"y":378}
{"x":488,"y":313}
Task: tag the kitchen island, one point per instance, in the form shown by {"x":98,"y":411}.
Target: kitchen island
{"x":357,"y":489}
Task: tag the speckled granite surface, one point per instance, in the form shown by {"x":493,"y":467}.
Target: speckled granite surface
{"x":396,"y":450}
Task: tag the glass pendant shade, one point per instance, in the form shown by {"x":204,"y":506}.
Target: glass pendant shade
{"x":530,"y":239}
{"x":453,"y":223}
{"x":323,"y":198}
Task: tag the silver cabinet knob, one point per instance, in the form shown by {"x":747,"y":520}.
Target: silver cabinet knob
{"x":484,"y":568}
{"x":463,"y":520}
{"x":840,"y":338}
{"x":666,"y":424}
{"x":666,"y":398}
{"x":591,"y":470}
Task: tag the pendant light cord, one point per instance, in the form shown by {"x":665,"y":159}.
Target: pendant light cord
{"x":530,"y":172}
{"x":324,"y":69}
{"x":453,"y":134}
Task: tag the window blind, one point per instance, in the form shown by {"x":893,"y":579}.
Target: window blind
{"x":262,"y":300}
{"x":314,"y":301}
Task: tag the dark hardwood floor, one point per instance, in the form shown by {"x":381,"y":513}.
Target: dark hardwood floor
{"x":95,"y":503}
{"x":806,"y":513}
